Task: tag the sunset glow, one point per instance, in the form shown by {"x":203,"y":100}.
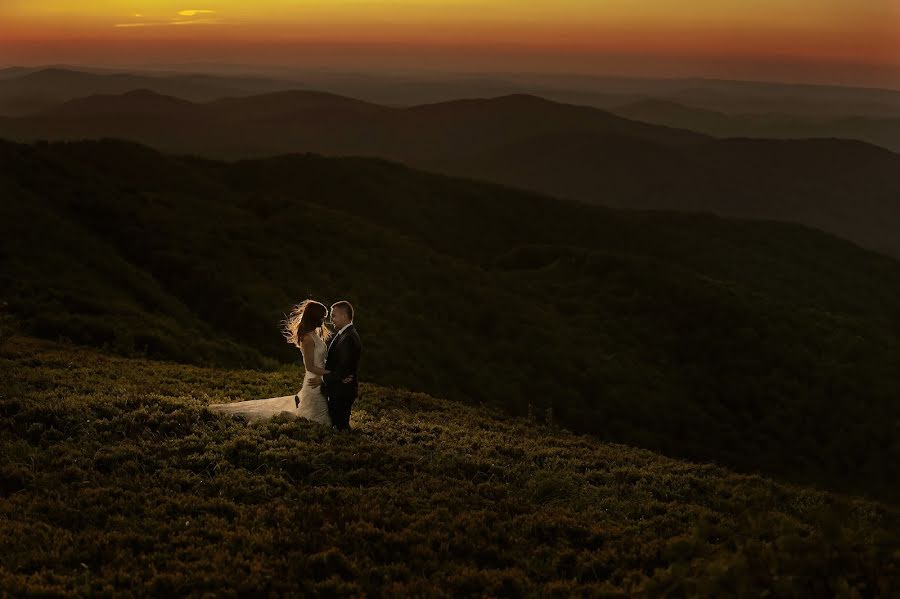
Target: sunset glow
{"x":842,"y":31}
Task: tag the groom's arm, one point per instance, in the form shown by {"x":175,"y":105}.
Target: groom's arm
{"x":355,"y":351}
{"x":346,"y":365}
{"x":336,"y":360}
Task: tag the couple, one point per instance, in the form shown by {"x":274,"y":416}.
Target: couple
{"x":330,"y":385}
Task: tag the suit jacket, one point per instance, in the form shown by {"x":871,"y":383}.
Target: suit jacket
{"x":342,"y":361}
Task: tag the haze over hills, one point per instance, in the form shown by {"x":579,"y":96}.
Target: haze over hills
{"x":844,"y":187}
{"x":28,"y":91}
{"x":884,"y":132}
{"x":767,"y":346}
{"x":205,"y":81}
{"x":729,"y":96}
{"x":736,"y":108}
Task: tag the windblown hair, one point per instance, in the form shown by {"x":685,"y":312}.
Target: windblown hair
{"x":308,"y":316}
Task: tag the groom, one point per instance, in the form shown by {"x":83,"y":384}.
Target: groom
{"x":340,"y":385}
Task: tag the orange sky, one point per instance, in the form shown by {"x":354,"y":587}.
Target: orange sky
{"x":854,"y":36}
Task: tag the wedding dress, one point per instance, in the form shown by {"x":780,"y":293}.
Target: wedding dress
{"x":313,"y":404}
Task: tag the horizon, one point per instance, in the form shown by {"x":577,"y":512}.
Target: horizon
{"x":844,"y":44}
{"x":286,"y":72}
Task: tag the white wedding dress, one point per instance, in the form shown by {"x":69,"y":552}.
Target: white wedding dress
{"x":313,"y":405}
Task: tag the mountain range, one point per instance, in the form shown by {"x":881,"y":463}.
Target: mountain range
{"x":49,"y":84}
{"x":883,"y":131}
{"x":845,"y":187}
{"x":26,"y":91}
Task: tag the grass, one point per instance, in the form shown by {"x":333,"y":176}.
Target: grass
{"x":768,"y":347}
{"x":117,"y":480}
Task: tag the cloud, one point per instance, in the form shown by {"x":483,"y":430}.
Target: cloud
{"x":184,"y":13}
{"x":194,"y":12}
{"x":145,"y":24}
{"x":167,"y":23}
{"x":197,"y":22}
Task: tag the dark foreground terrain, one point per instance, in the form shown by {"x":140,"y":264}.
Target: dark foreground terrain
{"x":116,"y":480}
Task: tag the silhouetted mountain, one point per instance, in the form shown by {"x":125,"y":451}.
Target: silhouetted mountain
{"x":573,"y":152}
{"x":135,"y":103}
{"x":844,"y":187}
{"x":727,"y":96}
{"x":763,"y":345}
{"x":481,"y":123}
{"x":428,"y":127}
{"x":29,"y":91}
{"x":13,"y":72}
{"x":884,"y":132}
{"x":19,"y":70}
{"x":290,"y":103}
{"x":653,"y":110}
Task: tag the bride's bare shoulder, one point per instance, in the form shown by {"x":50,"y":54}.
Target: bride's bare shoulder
{"x":307,"y":340}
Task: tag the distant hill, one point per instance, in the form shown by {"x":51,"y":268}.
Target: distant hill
{"x":767,"y":346}
{"x":409,"y":89}
{"x":13,"y":72}
{"x":723,"y":95}
{"x":116,"y":479}
{"x":884,"y":132}
{"x":436,"y":129}
{"x":133,"y":103}
{"x":844,"y":187}
{"x":25,"y":91}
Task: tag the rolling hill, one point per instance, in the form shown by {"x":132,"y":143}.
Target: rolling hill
{"x":722,"y":95}
{"x":766,"y":346}
{"x":844,"y":187}
{"x":884,"y":132}
{"x":25,"y":91}
{"x":117,"y":480}
{"x":439,"y":130}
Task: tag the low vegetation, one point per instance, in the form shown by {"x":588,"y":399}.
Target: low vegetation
{"x":117,"y":480}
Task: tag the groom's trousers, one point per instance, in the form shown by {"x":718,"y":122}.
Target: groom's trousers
{"x":339,"y":406}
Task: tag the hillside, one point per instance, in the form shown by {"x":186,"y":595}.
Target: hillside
{"x":764,"y":346}
{"x":847,"y":188}
{"x":884,"y":132}
{"x":289,"y":120}
{"x":118,"y":480}
{"x":730,"y":96}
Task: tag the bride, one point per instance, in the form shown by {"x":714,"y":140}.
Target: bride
{"x":304,"y":328}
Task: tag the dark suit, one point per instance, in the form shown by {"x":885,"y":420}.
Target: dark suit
{"x":343,"y":361}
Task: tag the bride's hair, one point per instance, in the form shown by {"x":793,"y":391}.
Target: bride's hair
{"x":306,"y":317}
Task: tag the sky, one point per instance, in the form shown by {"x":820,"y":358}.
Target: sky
{"x":836,"y":41}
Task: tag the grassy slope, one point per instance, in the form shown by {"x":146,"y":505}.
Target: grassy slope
{"x":764,"y":346}
{"x":116,"y":478}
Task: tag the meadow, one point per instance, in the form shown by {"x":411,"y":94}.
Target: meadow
{"x":116,"y":480}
